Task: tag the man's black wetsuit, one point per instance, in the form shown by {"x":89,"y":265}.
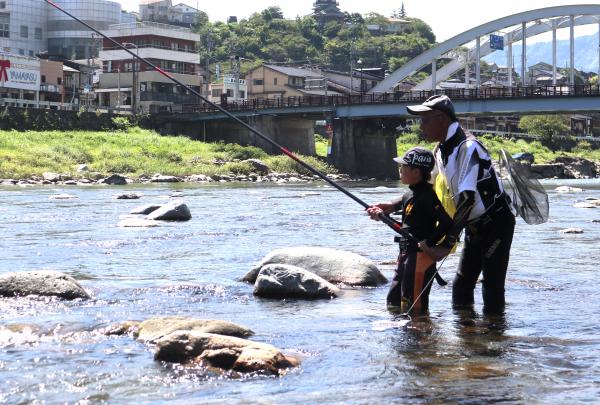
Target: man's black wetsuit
{"x":425,"y":218}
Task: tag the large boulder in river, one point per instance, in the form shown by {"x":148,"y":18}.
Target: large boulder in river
{"x":335,"y":266}
{"x":45,"y":283}
{"x":285,"y":281}
{"x":115,"y":180}
{"x":153,"y":329}
{"x":145,"y":209}
{"x":223,"y":352}
{"x":173,"y":211}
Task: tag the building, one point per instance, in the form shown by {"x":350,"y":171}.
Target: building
{"x":23,"y":27}
{"x":271,"y":81}
{"x":19,"y":78}
{"x":325,"y":11}
{"x":226,"y":89}
{"x":68,"y":38}
{"x":125,"y":82}
{"x":163,"y":11}
{"x":541,"y":74}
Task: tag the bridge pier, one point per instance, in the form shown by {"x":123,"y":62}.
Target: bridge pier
{"x":365,"y":147}
{"x":295,"y":134}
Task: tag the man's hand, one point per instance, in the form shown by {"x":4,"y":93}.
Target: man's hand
{"x":437,"y":253}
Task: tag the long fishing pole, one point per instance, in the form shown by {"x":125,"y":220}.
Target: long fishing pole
{"x":396,"y":226}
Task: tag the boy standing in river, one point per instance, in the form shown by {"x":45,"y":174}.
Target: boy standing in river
{"x":424,"y":217}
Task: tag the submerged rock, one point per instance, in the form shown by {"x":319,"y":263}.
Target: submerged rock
{"x":335,"y":266}
{"x":223,"y":352}
{"x":153,"y":329}
{"x":285,"y":281}
{"x":173,"y":211}
{"x":45,"y":283}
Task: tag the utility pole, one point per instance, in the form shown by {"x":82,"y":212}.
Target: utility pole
{"x":235,"y":67}
{"x":134,"y":79}
{"x":209,"y":45}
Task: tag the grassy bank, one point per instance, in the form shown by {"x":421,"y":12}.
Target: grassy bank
{"x":132,"y":152}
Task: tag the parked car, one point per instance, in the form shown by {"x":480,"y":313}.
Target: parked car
{"x":524,"y":157}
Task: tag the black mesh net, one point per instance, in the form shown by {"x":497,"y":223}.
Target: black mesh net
{"x":528,"y":196}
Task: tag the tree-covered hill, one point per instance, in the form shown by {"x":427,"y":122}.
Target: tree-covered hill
{"x":267,"y":36}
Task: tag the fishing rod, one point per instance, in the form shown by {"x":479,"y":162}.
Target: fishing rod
{"x":395,"y":225}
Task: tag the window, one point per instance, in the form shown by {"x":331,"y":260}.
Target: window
{"x":31,"y":53}
{"x":43,"y":78}
{"x":22,"y":52}
{"x":216,"y":92}
{"x":2,"y":4}
{"x":38,"y":33}
{"x":4,"y":25}
{"x":242,"y":94}
{"x":24,"y":31}
{"x":257,"y":82}
{"x":229,"y":93}
{"x":275,"y":81}
{"x":59,"y":80}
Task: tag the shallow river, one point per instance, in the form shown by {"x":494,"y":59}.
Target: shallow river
{"x":546,"y":349}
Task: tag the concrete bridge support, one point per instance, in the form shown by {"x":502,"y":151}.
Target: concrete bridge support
{"x":366,"y":147}
{"x":295,"y":134}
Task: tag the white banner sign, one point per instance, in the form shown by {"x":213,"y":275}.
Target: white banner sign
{"x":20,"y":73}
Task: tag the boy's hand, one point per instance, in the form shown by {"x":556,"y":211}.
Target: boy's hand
{"x":437,"y":253}
{"x":382,"y":208}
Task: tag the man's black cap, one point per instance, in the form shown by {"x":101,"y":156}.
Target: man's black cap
{"x":438,"y":102}
{"x":417,"y":157}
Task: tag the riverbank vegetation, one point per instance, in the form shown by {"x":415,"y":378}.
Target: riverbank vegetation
{"x":133,"y":152}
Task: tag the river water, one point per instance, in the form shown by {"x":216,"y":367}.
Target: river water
{"x":546,"y":349}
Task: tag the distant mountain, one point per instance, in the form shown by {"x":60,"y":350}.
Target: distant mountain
{"x":586,"y":54}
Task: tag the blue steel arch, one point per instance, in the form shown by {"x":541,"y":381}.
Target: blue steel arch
{"x":592,"y":11}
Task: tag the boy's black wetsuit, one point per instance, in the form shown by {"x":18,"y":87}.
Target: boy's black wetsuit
{"x":425,"y":218}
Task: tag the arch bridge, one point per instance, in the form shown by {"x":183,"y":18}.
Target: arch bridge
{"x":514,"y":28}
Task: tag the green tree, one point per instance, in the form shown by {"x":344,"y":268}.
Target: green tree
{"x":546,"y":126}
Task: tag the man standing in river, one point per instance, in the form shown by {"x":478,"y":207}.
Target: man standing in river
{"x":482,"y":207}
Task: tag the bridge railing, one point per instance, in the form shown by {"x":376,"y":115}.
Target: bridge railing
{"x":482,"y":93}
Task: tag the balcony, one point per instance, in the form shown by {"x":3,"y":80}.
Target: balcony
{"x":169,"y":97}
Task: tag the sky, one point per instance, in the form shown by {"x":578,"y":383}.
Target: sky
{"x":447,"y":18}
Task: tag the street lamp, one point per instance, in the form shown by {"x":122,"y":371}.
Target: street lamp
{"x":134,"y":86}
{"x":359,"y":63}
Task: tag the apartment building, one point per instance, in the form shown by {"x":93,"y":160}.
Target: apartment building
{"x":125,"y":82}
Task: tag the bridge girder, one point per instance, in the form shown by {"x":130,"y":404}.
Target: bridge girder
{"x":585,"y":14}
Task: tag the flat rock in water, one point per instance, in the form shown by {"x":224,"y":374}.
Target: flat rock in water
{"x":63,"y":197}
{"x":44,"y":283}
{"x":571,"y":230}
{"x":584,"y":205}
{"x":223,"y":352}
{"x":127,"y":196}
{"x":173,"y":211}
{"x":145,"y":209}
{"x":153,"y":329}
{"x":335,"y":266}
{"x":285,"y":281}
{"x":568,"y":189}
{"x":137,"y":223}
{"x":164,"y":179}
